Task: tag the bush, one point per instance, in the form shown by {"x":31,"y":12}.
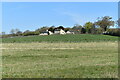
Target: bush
{"x":83,"y":30}
{"x":113,"y":32}
{"x":8,"y":35}
{"x":31,"y":33}
{"x":98,"y":30}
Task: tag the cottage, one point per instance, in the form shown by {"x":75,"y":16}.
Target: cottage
{"x":46,"y":33}
{"x":69,"y":32}
{"x":59,"y":31}
{"x":50,"y":33}
{"x":56,"y":31}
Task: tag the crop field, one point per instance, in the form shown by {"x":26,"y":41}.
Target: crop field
{"x":60,"y":59}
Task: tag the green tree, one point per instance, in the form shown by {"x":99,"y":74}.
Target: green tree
{"x":105,"y":22}
{"x":88,"y":26}
{"x":66,"y":29}
{"x":51,"y":28}
{"x":83,"y":30}
{"x":60,"y":27}
{"x":77,"y":28}
{"x":44,"y":28}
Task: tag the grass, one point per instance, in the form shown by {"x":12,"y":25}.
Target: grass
{"x":61,"y":38}
{"x":60,"y":59}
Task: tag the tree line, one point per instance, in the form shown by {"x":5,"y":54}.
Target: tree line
{"x":101,"y":26}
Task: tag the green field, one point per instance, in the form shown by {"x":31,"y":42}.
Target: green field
{"x":55,"y":57}
{"x":61,"y":38}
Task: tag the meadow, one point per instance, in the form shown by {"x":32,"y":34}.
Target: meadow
{"x":56,"y":57}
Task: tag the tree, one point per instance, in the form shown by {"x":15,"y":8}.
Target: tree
{"x":66,"y":29}
{"x":19,"y":33}
{"x":118,"y":22}
{"x":83,"y":30}
{"x":77,"y":28}
{"x":16,"y":30}
{"x":88,"y":26}
{"x":51,"y":28}
{"x":93,"y":29}
{"x":105,"y":22}
{"x":3,"y":33}
{"x":60,"y":27}
{"x":44,"y":28}
{"x":12,"y":31}
{"x":26,"y":31}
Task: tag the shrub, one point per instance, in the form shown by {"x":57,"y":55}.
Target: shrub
{"x":31,"y":33}
{"x":113,"y":32}
{"x":98,"y":31}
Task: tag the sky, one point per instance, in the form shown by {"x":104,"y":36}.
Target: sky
{"x":33,"y":15}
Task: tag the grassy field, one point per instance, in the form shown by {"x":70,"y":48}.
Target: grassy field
{"x":60,"y":59}
{"x":61,"y":38}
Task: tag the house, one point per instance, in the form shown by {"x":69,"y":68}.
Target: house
{"x":69,"y":32}
{"x":46,"y":33}
{"x":59,"y":31}
{"x":56,"y":31}
{"x":50,"y":33}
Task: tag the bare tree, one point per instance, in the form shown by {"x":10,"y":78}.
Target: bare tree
{"x":12,"y":31}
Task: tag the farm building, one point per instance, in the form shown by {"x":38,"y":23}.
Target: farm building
{"x":69,"y":32}
{"x":59,"y":31}
{"x":46,"y":33}
{"x":56,"y":31}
